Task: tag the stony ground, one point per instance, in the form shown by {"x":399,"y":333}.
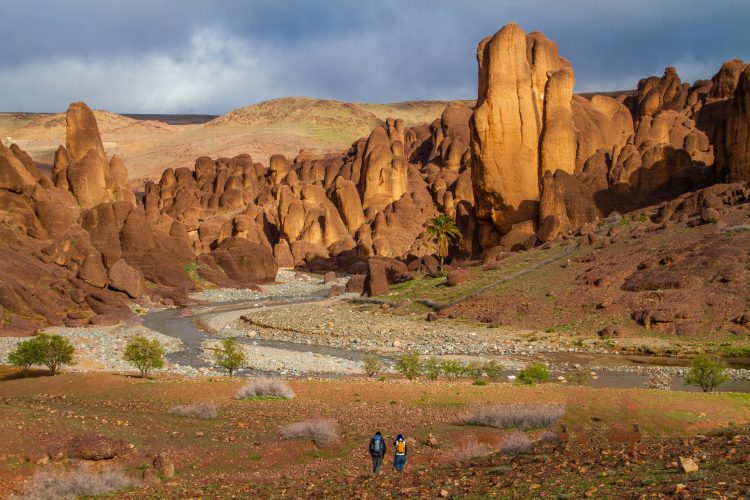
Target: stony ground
{"x":98,"y":348}
{"x":610,"y":443}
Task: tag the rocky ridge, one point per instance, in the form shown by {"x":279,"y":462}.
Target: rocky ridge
{"x":530,"y":164}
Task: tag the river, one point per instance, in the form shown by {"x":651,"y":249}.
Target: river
{"x":617,"y":371}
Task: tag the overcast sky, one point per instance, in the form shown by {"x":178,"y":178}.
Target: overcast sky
{"x":201,"y":56}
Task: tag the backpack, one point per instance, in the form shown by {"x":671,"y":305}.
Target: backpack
{"x":377,"y":445}
{"x":400,"y":447}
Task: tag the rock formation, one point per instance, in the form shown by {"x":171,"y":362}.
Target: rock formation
{"x":523,"y":107}
{"x":531,"y":163}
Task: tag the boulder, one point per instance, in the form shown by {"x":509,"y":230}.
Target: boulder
{"x":244,"y":261}
{"x":686,"y":465}
{"x":329,"y":277}
{"x":163,"y":465}
{"x":128,"y":279}
{"x":283,"y":255}
{"x":93,"y":272}
{"x":427,"y":265}
{"x":356,"y":284}
{"x":457,"y":277}
{"x":376,"y":282}
{"x":14,"y":176}
{"x":93,"y":447}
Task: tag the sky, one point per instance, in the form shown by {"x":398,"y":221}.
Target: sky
{"x":201,"y":56}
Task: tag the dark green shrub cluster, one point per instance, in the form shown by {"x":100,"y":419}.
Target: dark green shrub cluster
{"x":411,"y":366}
{"x":535,"y":373}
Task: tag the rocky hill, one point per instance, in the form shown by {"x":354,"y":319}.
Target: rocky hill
{"x":531,"y":165}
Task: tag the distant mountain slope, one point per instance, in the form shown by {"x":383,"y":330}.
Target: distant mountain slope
{"x":149,"y":143}
{"x":329,"y":120}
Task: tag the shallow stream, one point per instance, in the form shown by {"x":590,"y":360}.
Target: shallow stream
{"x":182,"y":324}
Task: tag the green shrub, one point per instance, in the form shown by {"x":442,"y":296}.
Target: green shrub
{"x":230,"y":357}
{"x":480,"y":382}
{"x":535,"y":373}
{"x":408,"y":365}
{"x":706,"y":373}
{"x":474,"y":370}
{"x":494,"y":370}
{"x":373,"y":365}
{"x":432,"y":368}
{"x":27,"y":353}
{"x":53,"y":351}
{"x":144,"y":354}
{"x":452,"y":369}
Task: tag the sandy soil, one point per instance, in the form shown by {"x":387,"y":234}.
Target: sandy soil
{"x":622,"y":442}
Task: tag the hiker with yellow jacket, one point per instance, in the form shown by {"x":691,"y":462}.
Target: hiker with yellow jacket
{"x":399,"y":460}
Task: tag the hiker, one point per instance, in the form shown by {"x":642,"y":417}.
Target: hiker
{"x":377,"y":452}
{"x":399,"y":460}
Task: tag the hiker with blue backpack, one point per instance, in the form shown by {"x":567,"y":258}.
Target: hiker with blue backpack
{"x":377,"y":452}
{"x":399,"y":460}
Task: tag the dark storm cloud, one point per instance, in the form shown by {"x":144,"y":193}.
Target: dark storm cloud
{"x":212,"y":56}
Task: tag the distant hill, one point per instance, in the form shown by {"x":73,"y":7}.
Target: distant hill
{"x":150,"y":142}
{"x":330,"y":121}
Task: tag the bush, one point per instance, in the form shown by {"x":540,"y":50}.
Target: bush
{"x":531,"y":416}
{"x":515,"y":442}
{"x":471,"y":449}
{"x":145,"y":354}
{"x":372,"y":364}
{"x":53,"y":351}
{"x":320,"y":431}
{"x":407,"y":365}
{"x":201,"y":410}
{"x":27,"y":353}
{"x":494,"y":370}
{"x":265,"y":387}
{"x":230,"y":357}
{"x":77,"y":483}
{"x":452,"y":369}
{"x":549,"y":437}
{"x":474,"y":370}
{"x":535,"y":373}
{"x":431,"y":368}
{"x":706,"y":373}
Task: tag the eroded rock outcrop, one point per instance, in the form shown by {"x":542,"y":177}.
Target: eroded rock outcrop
{"x":523,"y":126}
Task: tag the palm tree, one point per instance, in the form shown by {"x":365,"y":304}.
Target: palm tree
{"x":444,"y":228}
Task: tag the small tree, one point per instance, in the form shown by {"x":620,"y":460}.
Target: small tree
{"x":706,"y":373}
{"x":231,"y":356}
{"x":432,"y":368}
{"x":27,"y":353}
{"x":444,"y":229}
{"x":55,"y":351}
{"x":452,"y":369}
{"x":408,"y":365}
{"x":535,"y":373}
{"x":144,"y":354}
{"x":373,"y":365}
